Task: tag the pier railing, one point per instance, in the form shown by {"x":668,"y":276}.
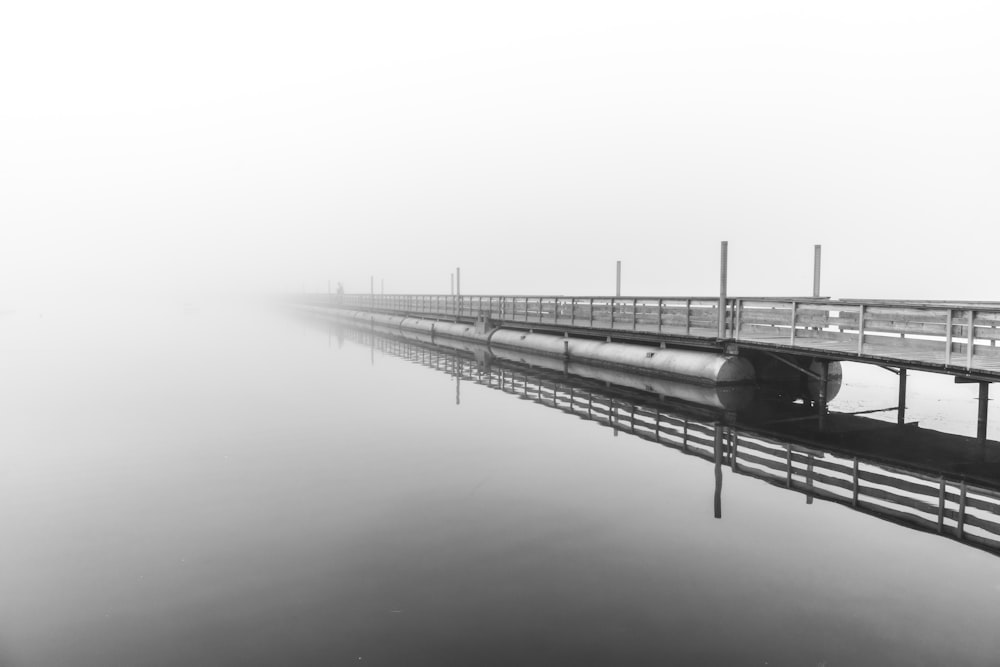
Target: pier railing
{"x":959,"y":335}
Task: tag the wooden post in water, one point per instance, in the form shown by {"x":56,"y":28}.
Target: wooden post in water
{"x":723,"y":277}
{"x":824,"y":378}
{"x":817,"y":257}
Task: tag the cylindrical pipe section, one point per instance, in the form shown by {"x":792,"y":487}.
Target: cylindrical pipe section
{"x":693,"y":365}
{"x":709,"y":368}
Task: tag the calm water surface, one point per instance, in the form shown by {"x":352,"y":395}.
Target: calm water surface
{"x":225,"y":487}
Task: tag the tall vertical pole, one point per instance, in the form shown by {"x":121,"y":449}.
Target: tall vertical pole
{"x":817,"y":259}
{"x":618,"y":278}
{"x":458,"y":282}
{"x":723,"y":278}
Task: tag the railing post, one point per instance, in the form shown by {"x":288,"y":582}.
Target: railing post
{"x":635,"y":313}
{"x":947,"y":338}
{"x":612,"y":313}
{"x":591,"y":312}
{"x":861,"y":329}
{"x":791,"y":340}
{"x":736,"y":318}
{"x":659,"y":316}
{"x":572,"y":311}
{"x":971,"y":338}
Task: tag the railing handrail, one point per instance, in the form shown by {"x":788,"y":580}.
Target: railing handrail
{"x":829,"y":302}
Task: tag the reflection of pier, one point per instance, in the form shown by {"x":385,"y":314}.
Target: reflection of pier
{"x":940,"y":489}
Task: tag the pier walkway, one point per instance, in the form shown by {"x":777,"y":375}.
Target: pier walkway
{"x":956,"y":337}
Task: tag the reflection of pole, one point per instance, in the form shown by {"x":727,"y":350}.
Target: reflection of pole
{"x":723,"y":279}
{"x":458,"y":390}
{"x":984,"y":397}
{"x":901,"y":409}
{"x":718,"y":471}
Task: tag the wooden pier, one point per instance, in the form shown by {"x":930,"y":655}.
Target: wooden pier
{"x":958,"y":338}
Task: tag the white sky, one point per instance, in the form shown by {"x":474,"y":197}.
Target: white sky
{"x":274,"y":145}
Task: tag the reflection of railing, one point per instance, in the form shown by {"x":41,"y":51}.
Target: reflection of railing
{"x":954,"y":508}
{"x":956,"y":335}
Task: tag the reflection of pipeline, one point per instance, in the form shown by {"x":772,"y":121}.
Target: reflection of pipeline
{"x":463,"y":337}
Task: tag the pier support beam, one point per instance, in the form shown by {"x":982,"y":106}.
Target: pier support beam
{"x":821,"y":400}
{"x":901,"y":405}
{"x":984,"y":398}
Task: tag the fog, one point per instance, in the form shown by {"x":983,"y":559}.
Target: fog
{"x":221,"y":147}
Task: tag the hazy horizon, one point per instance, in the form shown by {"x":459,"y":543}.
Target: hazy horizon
{"x":220,"y":148}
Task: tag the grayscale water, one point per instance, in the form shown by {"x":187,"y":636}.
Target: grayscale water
{"x":217,"y":486}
